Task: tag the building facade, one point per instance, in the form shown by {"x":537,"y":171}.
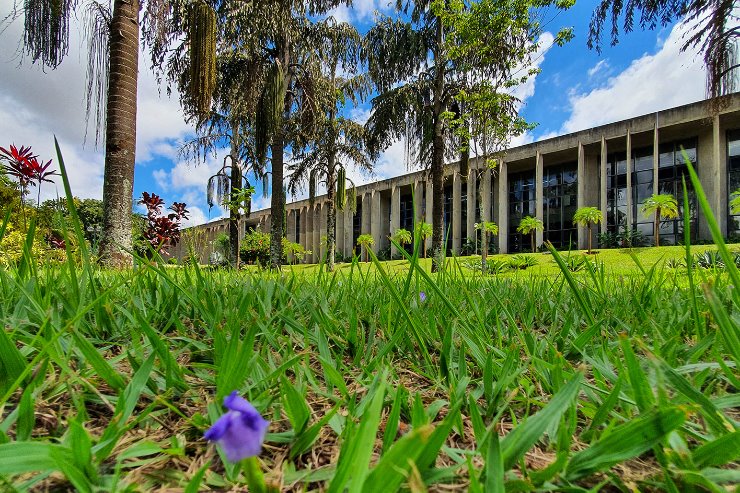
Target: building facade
{"x":614,"y":167}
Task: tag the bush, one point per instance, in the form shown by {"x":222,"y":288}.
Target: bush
{"x":710,"y":260}
{"x":576,"y":263}
{"x":522,"y":262}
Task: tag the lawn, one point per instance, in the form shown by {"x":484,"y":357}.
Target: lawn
{"x":519,"y":382}
{"x":621,"y":261}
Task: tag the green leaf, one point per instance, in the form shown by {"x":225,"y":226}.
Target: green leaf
{"x":394,"y":466}
{"x":718,"y":452}
{"x":524,"y":436}
{"x":625,"y":442}
{"x":295,"y":406}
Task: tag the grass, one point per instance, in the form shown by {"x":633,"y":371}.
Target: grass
{"x":572,"y":382}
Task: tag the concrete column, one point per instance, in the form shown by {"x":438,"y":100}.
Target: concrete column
{"x":486,"y":196}
{"x":656,"y":155}
{"x":503,"y":208}
{"x":316,"y":232}
{"x":602,"y":185}
{"x":305,"y":231}
{"x":366,"y":208}
{"x":456,"y":212}
{"x":428,"y":205}
{"x":324,"y":226}
{"x":719,"y":199}
{"x":539,"y":194}
{"x":581,"y":199}
{"x":339,"y":233}
{"x":346,"y":219}
{"x":630,"y":215}
{"x":418,"y":201}
{"x":472,"y":201}
{"x":291,"y":225}
{"x":376,"y":229}
{"x":395,"y":214}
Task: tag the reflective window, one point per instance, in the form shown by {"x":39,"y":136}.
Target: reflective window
{"x":357,"y":222}
{"x":560,"y":194}
{"x":406,"y":221}
{"x":447,"y":211}
{"x":521,"y":204}
{"x":669,"y":182}
{"x":464,"y":211}
{"x":733,"y":184}
{"x":298,"y":226}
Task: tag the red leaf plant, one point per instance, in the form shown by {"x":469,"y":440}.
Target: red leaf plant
{"x":162,"y":231}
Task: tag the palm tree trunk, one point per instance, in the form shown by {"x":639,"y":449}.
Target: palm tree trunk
{"x":331,"y":216}
{"x":589,"y":238}
{"x":532,"y":235}
{"x":438,"y":148}
{"x":120,"y":135}
{"x":277,"y":202}
{"x":484,"y":250}
{"x":657,"y":227}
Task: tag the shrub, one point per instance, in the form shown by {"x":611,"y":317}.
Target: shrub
{"x":522,"y":262}
{"x":710,"y":260}
{"x":255,"y":248}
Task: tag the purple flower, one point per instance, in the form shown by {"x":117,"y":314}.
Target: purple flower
{"x":240,"y":431}
{"x":422,"y":296}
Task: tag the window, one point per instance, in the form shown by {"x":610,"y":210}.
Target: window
{"x":297,"y":225}
{"x":521,"y":204}
{"x":671,"y":167}
{"x":733,"y":183}
{"x":464,"y":211}
{"x":357,"y":223}
{"x":447,"y":213}
{"x":560,"y":194}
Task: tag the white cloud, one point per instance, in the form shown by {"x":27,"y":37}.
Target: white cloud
{"x":655,"y":82}
{"x":601,"y":66}
{"x":526,"y":90}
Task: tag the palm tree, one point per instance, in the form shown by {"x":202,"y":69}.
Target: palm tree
{"x":402,"y":236}
{"x":338,"y":142}
{"x":113,"y":64}
{"x":365,"y":241}
{"x":439,"y":69}
{"x":588,"y":216}
{"x":530,"y":225}
{"x":663,"y":205}
{"x":423,"y":231}
{"x":486,"y":227}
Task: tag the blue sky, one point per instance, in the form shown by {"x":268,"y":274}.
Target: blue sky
{"x":576,"y":89}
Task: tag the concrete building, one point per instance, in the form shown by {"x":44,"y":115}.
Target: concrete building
{"x":614,"y":167}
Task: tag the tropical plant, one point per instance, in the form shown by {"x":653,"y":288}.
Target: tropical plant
{"x":338,"y":143}
{"x":521,"y":261}
{"x":162,"y":231}
{"x":588,"y":216}
{"x":365,"y":241}
{"x":662,"y":206}
{"x":529,"y":226}
{"x":712,"y":27}
{"x":402,"y":236}
{"x":486,"y":228}
{"x":735,"y":202}
{"x":26,"y":168}
{"x":444,"y":74}
{"x":423,"y":231}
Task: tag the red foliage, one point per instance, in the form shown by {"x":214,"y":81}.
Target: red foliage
{"x":162,"y":231}
{"x":25,"y":166}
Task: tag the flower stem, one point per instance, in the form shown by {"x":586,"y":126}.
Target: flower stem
{"x":253,"y":473}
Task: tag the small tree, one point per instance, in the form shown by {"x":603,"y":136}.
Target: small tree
{"x":486,"y":227}
{"x":530,"y":225}
{"x":663,"y":205}
{"x":588,"y":216}
{"x":735,"y":202}
{"x":365,"y":241}
{"x":423,"y":231}
{"x":402,"y":237}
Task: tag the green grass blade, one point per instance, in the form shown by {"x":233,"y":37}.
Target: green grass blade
{"x":625,"y":442}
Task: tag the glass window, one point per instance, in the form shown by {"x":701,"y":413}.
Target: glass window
{"x":560,"y":204}
{"x":733,"y":184}
{"x":521,"y":204}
